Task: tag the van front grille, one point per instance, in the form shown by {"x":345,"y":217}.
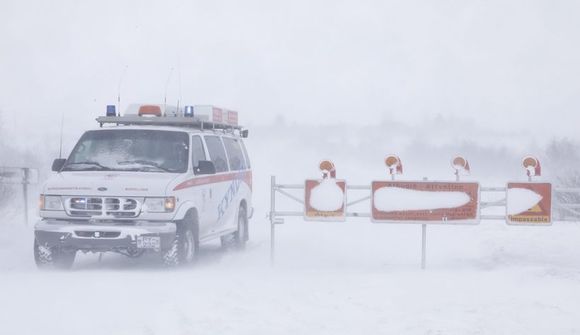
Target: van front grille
{"x":103,"y":206}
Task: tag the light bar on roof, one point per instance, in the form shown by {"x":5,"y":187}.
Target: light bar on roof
{"x":198,"y":116}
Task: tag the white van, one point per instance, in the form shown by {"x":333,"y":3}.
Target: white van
{"x":153,"y":181}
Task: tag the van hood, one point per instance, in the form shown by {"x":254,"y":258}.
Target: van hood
{"x":109,"y":183}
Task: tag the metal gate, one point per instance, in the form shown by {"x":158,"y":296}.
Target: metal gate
{"x":492,"y":203}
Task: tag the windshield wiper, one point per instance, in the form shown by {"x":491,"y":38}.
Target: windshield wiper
{"x":102,"y":167}
{"x":146,"y":163}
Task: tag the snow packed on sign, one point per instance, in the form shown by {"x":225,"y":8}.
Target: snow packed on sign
{"x":521,"y":200}
{"x":389,"y":199}
{"x":327,"y":196}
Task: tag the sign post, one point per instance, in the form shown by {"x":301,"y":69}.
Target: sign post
{"x":423,"y":246}
{"x":25,"y":181}
{"x":272,"y":218}
{"x":424,"y":242}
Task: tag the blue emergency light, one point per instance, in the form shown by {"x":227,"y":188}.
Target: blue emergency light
{"x":111,"y":110}
{"x":188,"y":111}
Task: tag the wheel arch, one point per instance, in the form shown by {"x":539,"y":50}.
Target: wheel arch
{"x":191,"y":217}
{"x":244,"y":204}
{"x":193,"y":214}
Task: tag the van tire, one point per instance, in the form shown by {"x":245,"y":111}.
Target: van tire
{"x":53,"y":257}
{"x":185,"y":246}
{"x":238,"y":238}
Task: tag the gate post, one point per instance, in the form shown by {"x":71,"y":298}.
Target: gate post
{"x":423,"y":246}
{"x":25,"y":193}
{"x":272,"y":218}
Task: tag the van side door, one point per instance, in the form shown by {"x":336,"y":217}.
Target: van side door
{"x":200,"y":193}
{"x":239,"y":187}
{"x":220,"y":181}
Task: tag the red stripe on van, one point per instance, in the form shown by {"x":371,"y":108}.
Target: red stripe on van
{"x":246,"y":176}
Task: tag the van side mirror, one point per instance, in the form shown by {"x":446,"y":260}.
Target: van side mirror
{"x":204,"y":167}
{"x":244,"y":133}
{"x":57,"y":164}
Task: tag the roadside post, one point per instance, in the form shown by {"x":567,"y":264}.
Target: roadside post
{"x":25,"y":182}
{"x":272,"y":218}
{"x":424,"y":242}
{"x":20,"y":176}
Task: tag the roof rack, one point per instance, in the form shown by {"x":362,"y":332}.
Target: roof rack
{"x":203,"y":117}
{"x":180,"y":121}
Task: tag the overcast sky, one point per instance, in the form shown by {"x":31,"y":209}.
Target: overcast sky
{"x":506,"y":64}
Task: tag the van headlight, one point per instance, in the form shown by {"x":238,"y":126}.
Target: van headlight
{"x":159,"y":205}
{"x":50,"y":203}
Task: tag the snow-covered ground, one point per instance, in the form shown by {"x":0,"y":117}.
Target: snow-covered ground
{"x":329,"y":278}
{"x":350,"y":81}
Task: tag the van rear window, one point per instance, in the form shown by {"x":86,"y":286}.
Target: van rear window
{"x":235,"y":154}
{"x":217,"y":154}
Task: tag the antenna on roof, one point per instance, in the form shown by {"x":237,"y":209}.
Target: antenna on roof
{"x":119,"y":90}
{"x":179,"y":82}
{"x":61,"y":131}
{"x":165,"y":97}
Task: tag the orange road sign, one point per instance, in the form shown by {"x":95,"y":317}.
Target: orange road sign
{"x":425,"y":202}
{"x":529,"y":204}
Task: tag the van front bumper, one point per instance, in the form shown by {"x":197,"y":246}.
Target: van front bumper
{"x":100,"y":237}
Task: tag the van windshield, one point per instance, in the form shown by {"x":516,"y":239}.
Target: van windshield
{"x":130,"y":150}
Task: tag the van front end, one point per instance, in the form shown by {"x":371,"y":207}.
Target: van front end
{"x":155,"y":179}
{"x":128,"y":238}
{"x":125,"y":225}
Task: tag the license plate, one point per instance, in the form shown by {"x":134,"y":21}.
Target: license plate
{"x":148,"y":242}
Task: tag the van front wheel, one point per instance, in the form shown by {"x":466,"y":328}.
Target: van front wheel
{"x":184,"y":248}
{"x":238,"y":238}
{"x":47,"y":257}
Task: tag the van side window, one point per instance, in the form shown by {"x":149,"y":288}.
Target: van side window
{"x":197,"y":152}
{"x":246,"y":155}
{"x":235,"y":154}
{"x":217,"y":153}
